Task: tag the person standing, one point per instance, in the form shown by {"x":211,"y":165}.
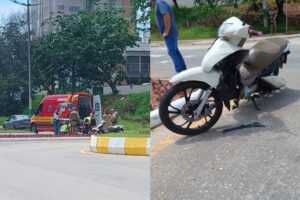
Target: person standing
{"x":92,"y":118}
{"x":166,"y":23}
{"x":56,"y":122}
{"x":74,"y":121}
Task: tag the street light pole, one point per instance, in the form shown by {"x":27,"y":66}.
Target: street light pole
{"x":29,"y":60}
{"x":29,"y":52}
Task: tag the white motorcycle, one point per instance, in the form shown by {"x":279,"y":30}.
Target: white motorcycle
{"x":112,"y":129}
{"x":227,"y":72}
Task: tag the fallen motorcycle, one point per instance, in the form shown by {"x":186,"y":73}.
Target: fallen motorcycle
{"x":99,"y":129}
{"x":227,"y":72}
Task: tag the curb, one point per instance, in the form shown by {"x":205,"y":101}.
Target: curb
{"x":120,"y":145}
{"x":43,"y":139}
{"x":210,"y":41}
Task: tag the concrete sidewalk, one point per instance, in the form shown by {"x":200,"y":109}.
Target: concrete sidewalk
{"x":200,"y":42}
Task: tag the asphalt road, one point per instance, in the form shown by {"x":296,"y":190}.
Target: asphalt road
{"x":55,"y":169}
{"x":251,"y":163}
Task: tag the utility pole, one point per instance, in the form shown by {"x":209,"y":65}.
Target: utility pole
{"x":265,"y":13}
{"x":28,"y":5}
{"x":286,"y":17}
{"x":29,"y":60}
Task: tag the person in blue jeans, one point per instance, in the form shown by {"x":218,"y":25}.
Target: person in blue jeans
{"x":166,"y":23}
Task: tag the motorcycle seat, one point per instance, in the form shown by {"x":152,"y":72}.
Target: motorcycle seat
{"x":262,"y":54}
{"x":279,"y":41}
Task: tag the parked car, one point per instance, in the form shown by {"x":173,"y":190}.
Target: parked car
{"x":17,"y":122}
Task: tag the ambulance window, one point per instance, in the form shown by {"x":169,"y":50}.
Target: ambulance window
{"x":97,"y":107}
{"x":39,"y":109}
{"x":49,"y":108}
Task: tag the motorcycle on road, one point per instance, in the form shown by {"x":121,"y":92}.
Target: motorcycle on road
{"x":227,"y":72}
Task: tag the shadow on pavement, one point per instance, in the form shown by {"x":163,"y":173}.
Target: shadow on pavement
{"x":247,"y":114}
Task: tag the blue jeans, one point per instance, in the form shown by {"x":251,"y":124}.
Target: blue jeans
{"x":174,"y":53}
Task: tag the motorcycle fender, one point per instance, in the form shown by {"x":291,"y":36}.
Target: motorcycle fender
{"x":212,"y":78}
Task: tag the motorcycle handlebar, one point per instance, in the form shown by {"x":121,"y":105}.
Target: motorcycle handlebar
{"x":254,"y":32}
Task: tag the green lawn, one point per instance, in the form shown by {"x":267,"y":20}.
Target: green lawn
{"x":200,"y":32}
{"x":14,"y":131}
{"x":196,"y":32}
{"x":2,"y":120}
{"x":126,"y":134}
{"x":133,"y":125}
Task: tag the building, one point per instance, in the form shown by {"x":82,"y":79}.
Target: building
{"x":183,"y":3}
{"x":42,"y":12}
{"x":138,"y":63}
{"x":138,"y":57}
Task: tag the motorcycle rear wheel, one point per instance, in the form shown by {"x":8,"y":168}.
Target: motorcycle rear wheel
{"x":172,"y":119}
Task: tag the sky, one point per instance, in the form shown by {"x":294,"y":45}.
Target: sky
{"x":6,"y":7}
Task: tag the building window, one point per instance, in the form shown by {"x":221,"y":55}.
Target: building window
{"x":74,"y":8}
{"x":133,"y":64}
{"x":61,"y":8}
{"x":134,"y":68}
{"x":145,"y":68}
{"x":133,"y":59}
{"x":145,"y":59}
{"x":145,"y":63}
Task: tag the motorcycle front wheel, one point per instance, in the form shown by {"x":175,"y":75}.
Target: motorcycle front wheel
{"x":176,"y":109}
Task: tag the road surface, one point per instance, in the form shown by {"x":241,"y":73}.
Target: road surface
{"x":55,"y":169}
{"x":251,"y":163}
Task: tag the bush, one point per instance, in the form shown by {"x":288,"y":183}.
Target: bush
{"x":204,"y":15}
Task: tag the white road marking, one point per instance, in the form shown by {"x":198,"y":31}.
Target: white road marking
{"x":189,"y":56}
{"x":165,"y":61}
{"x":156,"y":56}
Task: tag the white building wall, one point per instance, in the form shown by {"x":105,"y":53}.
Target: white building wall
{"x":128,"y":89}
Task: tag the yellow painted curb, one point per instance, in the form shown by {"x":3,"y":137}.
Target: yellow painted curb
{"x":120,"y":145}
{"x":102,"y":145}
{"x":135,"y":146}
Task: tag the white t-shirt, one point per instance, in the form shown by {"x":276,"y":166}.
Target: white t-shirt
{"x":56,"y":116}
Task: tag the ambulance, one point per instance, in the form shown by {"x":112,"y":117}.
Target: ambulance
{"x":41,"y":121}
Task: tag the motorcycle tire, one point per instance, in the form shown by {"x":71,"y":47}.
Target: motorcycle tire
{"x":167,"y":120}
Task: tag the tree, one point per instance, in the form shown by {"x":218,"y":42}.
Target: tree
{"x":140,"y":13}
{"x":211,"y":3}
{"x":86,"y":48}
{"x":13,"y":65}
{"x":279,"y":4}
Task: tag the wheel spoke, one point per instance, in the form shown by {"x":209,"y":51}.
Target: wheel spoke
{"x":183,"y":124}
{"x":205,"y":119}
{"x":186,"y":97}
{"x":188,"y":126}
{"x":174,"y":112}
{"x":175,"y":108}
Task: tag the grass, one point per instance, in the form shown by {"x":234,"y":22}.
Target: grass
{"x":14,"y":131}
{"x":133,"y":125}
{"x":196,"y":32}
{"x":133,"y":111}
{"x":200,"y":32}
{"x":204,"y":22}
{"x":280,"y":28}
{"x":133,"y":108}
{"x":131,"y":134}
{"x":2,"y":119}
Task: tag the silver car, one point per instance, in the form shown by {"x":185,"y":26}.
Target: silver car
{"x":17,"y":122}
